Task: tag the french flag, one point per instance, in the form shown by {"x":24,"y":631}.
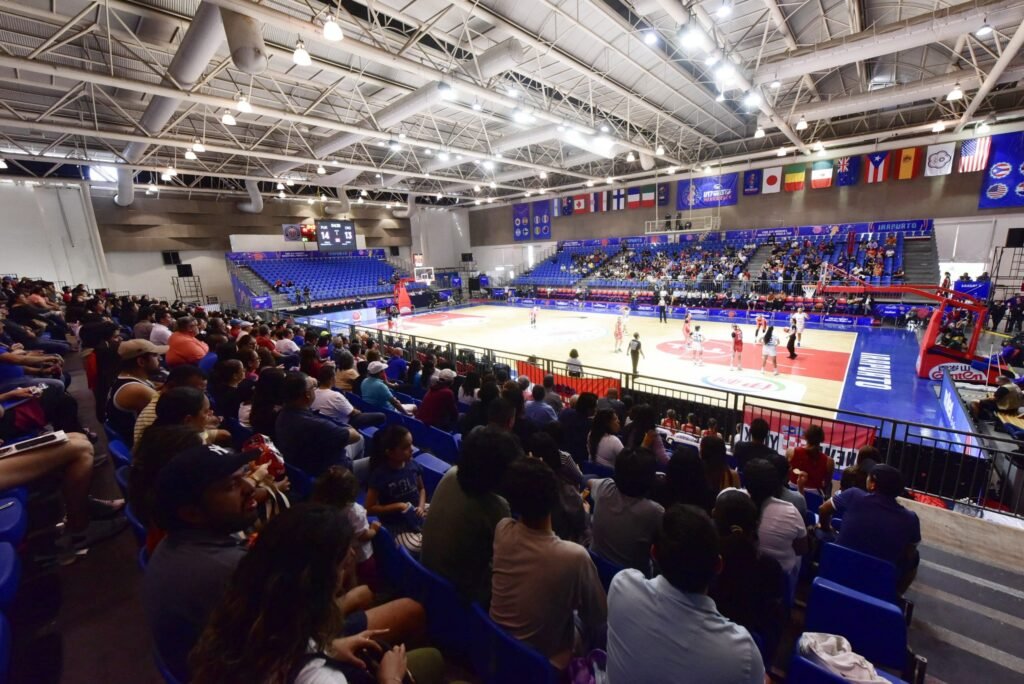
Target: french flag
{"x":633,"y":198}
{"x":597,"y":201}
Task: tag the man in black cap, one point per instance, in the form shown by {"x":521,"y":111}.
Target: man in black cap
{"x":204,"y":502}
{"x":876,"y":524}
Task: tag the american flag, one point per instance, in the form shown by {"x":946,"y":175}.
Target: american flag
{"x":974,"y":154}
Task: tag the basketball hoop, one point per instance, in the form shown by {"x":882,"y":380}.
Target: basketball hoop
{"x":809,"y":290}
{"x":424,"y":274}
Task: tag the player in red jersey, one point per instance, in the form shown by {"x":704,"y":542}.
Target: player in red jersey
{"x":687,"y":335}
{"x":736,"y":362}
{"x":762,"y":325}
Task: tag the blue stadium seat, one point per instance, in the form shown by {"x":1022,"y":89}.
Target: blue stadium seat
{"x":138,"y":529}
{"x":164,"y":671}
{"x":301,"y":482}
{"x":440,"y":443}
{"x":5,"y":649}
{"x":804,"y":671}
{"x":433,"y":470}
{"x":10,"y":574}
{"x":121,"y":475}
{"x":120,"y":452}
{"x":19,"y":493}
{"x":112,"y":434}
{"x":448,"y":618}
{"x":239,"y":433}
{"x":856,"y":570}
{"x":606,"y":570}
{"x":389,"y":560}
{"x":499,"y":658}
{"x":13,"y":520}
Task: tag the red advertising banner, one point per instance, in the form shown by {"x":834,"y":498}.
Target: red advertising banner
{"x":565,"y":385}
{"x":842,"y":439}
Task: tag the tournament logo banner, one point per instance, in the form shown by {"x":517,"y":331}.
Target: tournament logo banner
{"x":1003,"y":182}
{"x":704,"y":193}
{"x":542,"y":220}
{"x":901,"y":226}
{"x":774,"y":232}
{"x":752,"y":181}
{"x":521,"y":222}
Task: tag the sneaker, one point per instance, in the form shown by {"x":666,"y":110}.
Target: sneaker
{"x":68,"y":548}
{"x":776,"y":372}
{"x":105,"y":509}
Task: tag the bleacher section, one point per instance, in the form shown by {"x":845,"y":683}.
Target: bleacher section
{"x":675,"y":261}
{"x":329,"y":277}
{"x":567,"y":266}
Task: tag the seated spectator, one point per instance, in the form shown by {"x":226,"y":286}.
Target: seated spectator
{"x":749,"y":587}
{"x":183,"y":347}
{"x":876,"y":524}
{"x":757,"y":447}
{"x":691,"y":426}
{"x":576,"y":421}
{"x":469,"y":388}
{"x":338,"y":488}
{"x":267,"y":399}
{"x":280,"y":617}
{"x":224,"y":387}
{"x":477,"y":415}
{"x":438,"y":408}
{"x":551,"y":395}
{"x":335,"y":406}
{"x":376,"y":392}
{"x":716,"y":465}
{"x":785,"y":492}
{"x":160,"y":333}
{"x":603,"y":446}
{"x":397,"y":366}
{"x":610,"y":400}
{"x":132,"y":390}
{"x":570,"y":519}
{"x":395,"y":492}
{"x":666,"y":630}
{"x":285,"y":343}
{"x":188,"y":406}
{"x":781,"y":532}
{"x":458,"y":535}
{"x":346,"y":373}
{"x":625,"y":520}
{"x":539,"y":582}
{"x":857,"y":474}
{"x":684,"y":481}
{"x":671,"y":421}
{"x":642,"y":431}
{"x":539,"y":411}
{"x":307,"y":440}
{"x":809,"y":466}
{"x":711,"y":430}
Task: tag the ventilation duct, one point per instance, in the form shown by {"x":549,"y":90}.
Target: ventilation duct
{"x":245,"y":41}
{"x":341,"y":206}
{"x":646,"y":161}
{"x":255,"y":203}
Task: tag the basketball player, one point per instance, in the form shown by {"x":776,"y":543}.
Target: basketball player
{"x":533,"y":316}
{"x":698,"y":346}
{"x":625,"y":309}
{"x":736,"y":362}
{"x":799,"y":321}
{"x":762,"y":323}
{"x":686,"y":329}
{"x":620,"y":330}
{"x":768,"y":349}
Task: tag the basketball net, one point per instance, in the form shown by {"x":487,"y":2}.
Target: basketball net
{"x":809,"y":290}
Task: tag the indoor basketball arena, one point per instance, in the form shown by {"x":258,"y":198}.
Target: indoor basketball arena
{"x":485,"y":342}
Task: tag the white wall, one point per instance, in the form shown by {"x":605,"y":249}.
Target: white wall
{"x":145,"y":273}
{"x":513,"y":256}
{"x":48,"y":230}
{"x":441,"y":236}
{"x":268,"y":243}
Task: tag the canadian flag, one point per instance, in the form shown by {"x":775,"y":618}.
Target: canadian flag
{"x":772,"y":180}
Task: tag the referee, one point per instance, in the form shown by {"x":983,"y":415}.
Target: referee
{"x":635,"y":351}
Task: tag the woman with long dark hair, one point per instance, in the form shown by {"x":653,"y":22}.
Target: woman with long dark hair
{"x":642,"y":431}
{"x":684,"y":482}
{"x":769,"y":349}
{"x":267,"y":401}
{"x":280,"y":619}
{"x":602,"y":443}
{"x":716,"y":465}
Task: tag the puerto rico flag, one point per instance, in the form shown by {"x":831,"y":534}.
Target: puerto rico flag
{"x":598,"y":201}
{"x":633,"y":198}
{"x":616,"y":200}
{"x":877,"y":168}
{"x":580,"y":204}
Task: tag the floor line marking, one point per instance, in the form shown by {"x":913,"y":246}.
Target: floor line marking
{"x":1015,"y":593}
{"x":978,"y":648}
{"x":961,"y":602}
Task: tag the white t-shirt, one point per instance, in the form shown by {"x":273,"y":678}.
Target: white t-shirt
{"x":781,"y":524}
{"x":607,"y":449}
{"x":317,"y":672}
{"x":332,"y":404}
{"x":160,"y":334}
{"x":286,"y":346}
{"x":356,"y":515}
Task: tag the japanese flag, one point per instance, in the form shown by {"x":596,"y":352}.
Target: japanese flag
{"x":772,"y":180}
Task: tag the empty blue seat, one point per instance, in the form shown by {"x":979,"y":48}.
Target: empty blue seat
{"x":856,"y":570}
{"x":13,"y":520}
{"x":433,"y":470}
{"x":448,"y":617}
{"x":10,"y":574}
{"x":120,"y":452}
{"x":606,"y":570}
{"x":138,"y":529}
{"x":499,"y":658}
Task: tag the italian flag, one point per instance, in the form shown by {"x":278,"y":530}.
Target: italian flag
{"x":648,"y":196}
{"x":793,"y":177}
{"x":821,"y":174}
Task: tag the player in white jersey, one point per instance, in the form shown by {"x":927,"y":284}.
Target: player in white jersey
{"x":697,"y":344}
{"x":625,"y":318}
{"x":800,"y":320}
{"x":533,"y":316}
{"x":620,"y":330}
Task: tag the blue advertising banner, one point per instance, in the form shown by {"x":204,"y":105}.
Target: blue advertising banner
{"x":752,"y":181}
{"x":739,"y":235}
{"x":774,"y":232}
{"x":1003,"y":184}
{"x":702,"y":193}
{"x":542,"y":220}
{"x":916,"y":225}
{"x":521,"y":222}
{"x":976,"y":289}
{"x":833,"y":229}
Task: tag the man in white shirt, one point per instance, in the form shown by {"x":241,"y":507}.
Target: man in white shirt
{"x":160,"y":334}
{"x":332,"y":404}
{"x":285,"y":344}
{"x":667,"y":630}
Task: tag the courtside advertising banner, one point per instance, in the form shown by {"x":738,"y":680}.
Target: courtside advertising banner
{"x":842,"y":439}
{"x":565,"y":385}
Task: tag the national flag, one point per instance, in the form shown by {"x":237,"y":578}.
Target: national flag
{"x":597,"y":201}
{"x":793,"y":177}
{"x":563,"y":206}
{"x":647,"y":196}
{"x":908,"y":164}
{"x":974,"y":154}
{"x":662,"y":194}
{"x":581,"y":204}
{"x":821,"y":174}
{"x":616,"y":200}
{"x":752,"y":181}
{"x":772,"y":180}
{"x":633,"y":198}
{"x":938,"y":159}
{"x":877,"y":169}
{"x":847,"y":171}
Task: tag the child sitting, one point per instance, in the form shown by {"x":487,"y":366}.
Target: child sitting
{"x":338,"y":487}
{"x":396,"y":493}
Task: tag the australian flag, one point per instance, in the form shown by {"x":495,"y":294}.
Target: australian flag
{"x":847,"y":170}
{"x":752,"y":181}
{"x":564,"y":206}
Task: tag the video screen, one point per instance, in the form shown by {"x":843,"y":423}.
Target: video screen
{"x":335,"y":235}
{"x":308,"y":233}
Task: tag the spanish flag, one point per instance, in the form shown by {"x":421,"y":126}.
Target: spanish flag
{"x":908,"y":164}
{"x":793,"y":177}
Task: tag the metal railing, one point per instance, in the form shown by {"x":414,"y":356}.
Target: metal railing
{"x":683,"y":224}
{"x":969,"y":471}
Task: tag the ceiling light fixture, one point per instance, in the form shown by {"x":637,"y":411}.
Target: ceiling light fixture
{"x":301,"y":55}
{"x":476,"y":106}
{"x":512,"y":92}
{"x":956,"y":93}
{"x":720,"y":97}
{"x":489,"y":165}
{"x":490,"y":200}
{"x":363,"y":193}
{"x":387,"y":206}
{"x":198,"y":146}
{"x":310,"y":200}
{"x":590,"y":183}
{"x":529,"y":193}
{"x":445,"y":90}
{"x":228,"y":119}
{"x":821,"y":152}
{"x":359,"y":201}
{"x":443,"y":156}
{"x":190,"y":155}
{"x":604,"y":128}
{"x":242,"y":104}
{"x":476,"y":188}
{"x":438,"y":196}
{"x":477,"y":202}
{"x":165,"y":176}
{"x":670,"y":170}
{"x":493,"y":185}
{"x":711,"y":60}
{"x":280,"y":186}
{"x":320,"y":170}
{"x":152,"y":188}
{"x":660,"y":149}
{"x":775,"y":85}
{"x":290,"y":182}
{"x":651,"y":37}
{"x":332,"y":29}
{"x":708,"y":169}
{"x":759,"y":133}
{"x":543,"y":175}
{"x":801,"y":125}
{"x":428,"y":152}
{"x":752,"y":99}
{"x":171,"y":171}
{"x":782,"y":152}
{"x":724,"y":10}
{"x":986,"y":125}
{"x":984,"y":29}
{"x":939,"y":127}
{"x":280,"y":194}
{"x":394,"y":146}
{"x":631,"y":157}
{"x":609,"y":180}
